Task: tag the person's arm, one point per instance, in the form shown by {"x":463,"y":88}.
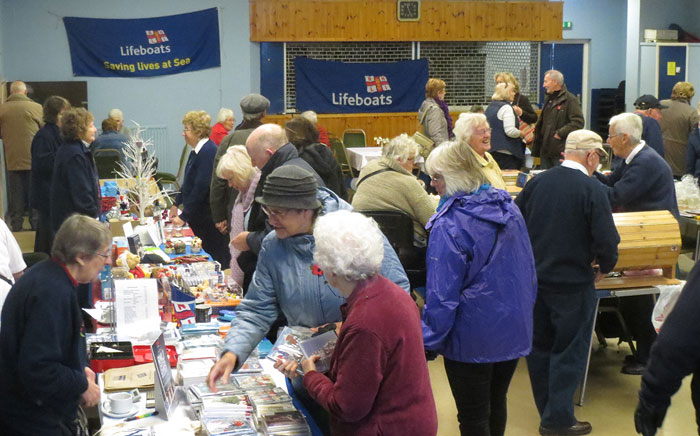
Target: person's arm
{"x":198,"y":192}
{"x":218,"y":188}
{"x":422,"y":205}
{"x":81,"y":186}
{"x":574,"y":118}
{"x":40,"y":359}
{"x":675,"y":353}
{"x":507,"y":114}
{"x":435,"y":124}
{"x":360,"y":370}
{"x":604,"y":235}
{"x":634,"y":183}
{"x":447,"y":265}
{"x":529,"y":115}
{"x":256,"y":313}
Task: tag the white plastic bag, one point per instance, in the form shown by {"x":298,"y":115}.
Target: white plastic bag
{"x":664,"y":304}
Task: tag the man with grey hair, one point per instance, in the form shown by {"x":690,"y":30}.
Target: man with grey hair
{"x":642,"y":182}
{"x":221,"y":196}
{"x":118,"y":116}
{"x":268,"y":149}
{"x":20,"y":119}
{"x":561,"y":115}
{"x":565,"y":249}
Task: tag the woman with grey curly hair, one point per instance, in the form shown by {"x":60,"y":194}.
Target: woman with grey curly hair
{"x":387,"y":184}
{"x":379,"y":346}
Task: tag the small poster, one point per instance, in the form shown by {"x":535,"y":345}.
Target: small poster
{"x":670,"y":68}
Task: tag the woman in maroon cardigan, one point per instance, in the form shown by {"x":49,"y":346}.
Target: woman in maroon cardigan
{"x":378,"y":381}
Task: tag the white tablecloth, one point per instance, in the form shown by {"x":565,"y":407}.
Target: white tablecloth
{"x":360,"y":156}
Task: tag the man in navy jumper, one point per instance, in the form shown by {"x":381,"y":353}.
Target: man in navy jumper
{"x":566,"y":250}
{"x":642,"y":182}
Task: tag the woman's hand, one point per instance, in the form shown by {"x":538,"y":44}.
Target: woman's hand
{"x":518,"y":110}
{"x":309,"y":364}
{"x":287,"y":367}
{"x":221,"y":370}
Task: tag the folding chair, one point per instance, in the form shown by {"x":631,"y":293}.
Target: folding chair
{"x":354,"y":138}
{"x":107,"y":163}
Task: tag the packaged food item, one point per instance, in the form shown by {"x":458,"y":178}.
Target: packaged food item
{"x":196,"y":246}
{"x":180,"y":247}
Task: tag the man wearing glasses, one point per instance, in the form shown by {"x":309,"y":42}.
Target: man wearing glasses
{"x":286,"y":280}
{"x":565,"y":249}
{"x":269,"y":149}
{"x":643,"y":181}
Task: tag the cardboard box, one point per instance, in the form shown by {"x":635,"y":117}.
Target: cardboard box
{"x":654,"y":35}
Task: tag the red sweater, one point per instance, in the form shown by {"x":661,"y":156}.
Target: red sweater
{"x":218,"y":133}
{"x":378,"y":382}
{"x":323,"y":135}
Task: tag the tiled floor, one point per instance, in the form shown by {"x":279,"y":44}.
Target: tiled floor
{"x":611,"y":397}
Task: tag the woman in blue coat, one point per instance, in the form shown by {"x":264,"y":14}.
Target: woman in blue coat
{"x":194,"y":193}
{"x":481,"y":288}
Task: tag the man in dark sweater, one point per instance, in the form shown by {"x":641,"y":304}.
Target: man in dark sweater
{"x":642,"y":182}
{"x":675,"y":354}
{"x":566,"y":250}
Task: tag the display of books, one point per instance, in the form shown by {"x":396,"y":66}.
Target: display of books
{"x":221,"y":425}
{"x":268,"y":396}
{"x":229,"y":405}
{"x":194,"y":371}
{"x":250,"y":382}
{"x":322,"y":346}
{"x":285,"y":423}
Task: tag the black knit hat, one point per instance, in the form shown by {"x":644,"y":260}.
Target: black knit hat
{"x":291,"y":187}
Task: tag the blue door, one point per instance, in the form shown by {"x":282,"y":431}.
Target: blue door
{"x":671,"y":68}
{"x":566,"y":58}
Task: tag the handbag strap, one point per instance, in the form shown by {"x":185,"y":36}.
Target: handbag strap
{"x":5,"y":279}
{"x":383,"y":170}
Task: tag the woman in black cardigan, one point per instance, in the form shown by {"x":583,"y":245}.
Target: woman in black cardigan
{"x":521,"y":104}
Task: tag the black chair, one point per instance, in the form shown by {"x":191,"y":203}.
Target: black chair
{"x":398,"y":229}
{"x":107,"y":163}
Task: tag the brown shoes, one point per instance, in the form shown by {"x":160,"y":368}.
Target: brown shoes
{"x":579,"y":428}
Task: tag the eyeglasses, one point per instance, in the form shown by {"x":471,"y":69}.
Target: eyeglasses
{"x":186,"y":129}
{"x":613,"y":136}
{"x":482,"y":132}
{"x":437,"y":178}
{"x":103,"y":255}
{"x":275,"y":213}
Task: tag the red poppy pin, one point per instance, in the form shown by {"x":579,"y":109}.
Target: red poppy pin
{"x":315,"y":270}
{"x":559,"y":107}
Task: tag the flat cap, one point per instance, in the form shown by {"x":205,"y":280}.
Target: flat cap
{"x":254,"y":103}
{"x":583,"y":139}
{"x":647,"y":101}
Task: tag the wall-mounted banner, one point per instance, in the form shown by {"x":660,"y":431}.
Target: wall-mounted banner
{"x":144,"y":46}
{"x":339,"y":87}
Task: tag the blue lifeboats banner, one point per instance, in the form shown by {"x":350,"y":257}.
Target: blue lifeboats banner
{"x":339,"y":87}
{"x":144,"y":47}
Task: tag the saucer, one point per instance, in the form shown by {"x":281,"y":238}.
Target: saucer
{"x":106,"y":409}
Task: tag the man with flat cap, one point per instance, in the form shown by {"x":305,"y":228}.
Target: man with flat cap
{"x":286,"y":280}
{"x":221,"y":196}
{"x":572,"y":252}
{"x":649,"y":109}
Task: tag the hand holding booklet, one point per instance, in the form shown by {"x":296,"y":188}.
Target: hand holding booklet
{"x":297,"y":343}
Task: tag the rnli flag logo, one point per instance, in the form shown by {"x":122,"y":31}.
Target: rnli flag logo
{"x":377,"y":84}
{"x":156,"y":36}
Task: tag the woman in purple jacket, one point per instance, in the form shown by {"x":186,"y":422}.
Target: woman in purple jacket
{"x":378,"y":382}
{"x":481,"y":288}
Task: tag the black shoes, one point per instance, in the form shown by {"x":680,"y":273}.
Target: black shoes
{"x":581,"y":427}
{"x":634,"y":368}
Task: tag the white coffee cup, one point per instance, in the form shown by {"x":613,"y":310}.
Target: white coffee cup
{"x":120,"y":402}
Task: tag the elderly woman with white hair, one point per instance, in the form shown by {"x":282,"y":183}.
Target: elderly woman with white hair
{"x":224,"y":124}
{"x":388,"y":184}
{"x":507,"y":147}
{"x":473,"y":133}
{"x":237,"y":169}
{"x":378,"y":382}
{"x":480,"y":290}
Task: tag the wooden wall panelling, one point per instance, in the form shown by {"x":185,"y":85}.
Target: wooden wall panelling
{"x":441,"y":20}
{"x":386,"y":125}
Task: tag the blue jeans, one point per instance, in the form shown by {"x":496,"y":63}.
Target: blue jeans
{"x":479,"y":390}
{"x":561,"y":339}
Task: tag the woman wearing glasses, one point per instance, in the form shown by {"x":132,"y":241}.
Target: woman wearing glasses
{"x":43,"y":372}
{"x":194,"y":193}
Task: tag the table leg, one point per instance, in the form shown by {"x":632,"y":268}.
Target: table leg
{"x":582,"y":389}
{"x":697,"y":242}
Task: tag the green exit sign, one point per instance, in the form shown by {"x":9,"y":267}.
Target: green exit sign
{"x":568,"y":24}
